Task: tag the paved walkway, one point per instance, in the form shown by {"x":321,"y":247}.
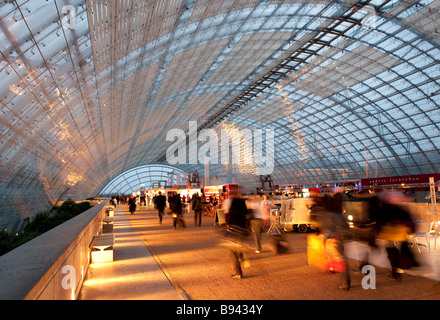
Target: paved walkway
{"x":133,"y":275}
{"x":153,"y":261}
{"x":429,"y":260}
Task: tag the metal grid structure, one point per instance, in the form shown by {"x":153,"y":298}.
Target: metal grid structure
{"x":90,"y":88}
{"x":148,"y":176}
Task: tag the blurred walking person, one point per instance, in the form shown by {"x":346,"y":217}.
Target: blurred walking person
{"x":142,"y":199}
{"x":257,"y":221}
{"x":237,"y":232}
{"x":266,"y":206}
{"x":176,"y":211}
{"x":335,"y":230}
{"x":160,"y":203}
{"x":147,"y":202}
{"x":394,"y":224}
{"x":132,"y":204}
{"x":368,"y":230}
{"x":196,"y":206}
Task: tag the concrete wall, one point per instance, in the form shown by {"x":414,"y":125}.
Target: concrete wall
{"x":53,"y":265}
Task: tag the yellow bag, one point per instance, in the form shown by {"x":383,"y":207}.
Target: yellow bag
{"x":396,"y":232}
{"x":316,"y":255}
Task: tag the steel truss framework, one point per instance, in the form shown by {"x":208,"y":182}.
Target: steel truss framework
{"x":148,"y":176}
{"x":84,"y":103}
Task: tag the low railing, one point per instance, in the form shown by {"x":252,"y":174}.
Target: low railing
{"x":53,"y":265}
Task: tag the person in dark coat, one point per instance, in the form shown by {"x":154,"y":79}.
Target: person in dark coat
{"x":238,"y":230}
{"x":196,"y":204}
{"x":132,"y":204}
{"x":393,"y":215}
{"x":176,"y":211}
{"x":160,"y":203}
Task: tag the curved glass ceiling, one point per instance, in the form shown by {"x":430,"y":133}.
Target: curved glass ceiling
{"x":148,"y":177}
{"x":89,"y":89}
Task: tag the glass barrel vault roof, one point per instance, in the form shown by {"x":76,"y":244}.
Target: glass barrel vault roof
{"x":89,"y":88}
{"x":147,"y":176}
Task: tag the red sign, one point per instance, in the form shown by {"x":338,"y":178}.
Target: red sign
{"x":398,"y":180}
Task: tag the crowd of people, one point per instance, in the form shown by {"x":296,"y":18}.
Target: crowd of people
{"x":388,"y":224}
{"x":176,"y":204}
{"x":387,"y":220}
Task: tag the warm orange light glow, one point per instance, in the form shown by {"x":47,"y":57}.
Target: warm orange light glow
{"x":16,"y":89}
